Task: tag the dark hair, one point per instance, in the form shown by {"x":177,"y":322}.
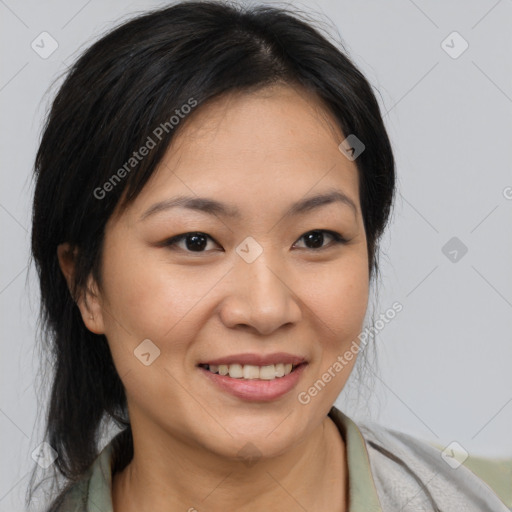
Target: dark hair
{"x":115,"y":96}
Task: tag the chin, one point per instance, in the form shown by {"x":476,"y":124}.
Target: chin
{"x":246,"y":441}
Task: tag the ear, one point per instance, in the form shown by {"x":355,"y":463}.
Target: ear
{"x":89,"y":302}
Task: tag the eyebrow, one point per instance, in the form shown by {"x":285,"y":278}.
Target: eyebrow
{"x":214,"y":207}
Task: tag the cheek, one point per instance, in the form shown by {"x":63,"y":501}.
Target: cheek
{"x":337,"y":299}
{"x":147,"y":296}
{"x":338,"y":296}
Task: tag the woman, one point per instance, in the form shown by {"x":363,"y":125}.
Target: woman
{"x":212,"y":185}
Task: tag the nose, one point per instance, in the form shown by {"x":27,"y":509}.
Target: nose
{"x":259,"y":297}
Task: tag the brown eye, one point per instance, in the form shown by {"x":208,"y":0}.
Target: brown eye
{"x":193,"y":242}
{"x":315,"y":239}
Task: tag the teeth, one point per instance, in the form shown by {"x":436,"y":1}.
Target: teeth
{"x":236,"y":371}
{"x":265,"y":372}
{"x":250,"y":372}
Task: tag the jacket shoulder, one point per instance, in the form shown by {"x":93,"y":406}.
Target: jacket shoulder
{"x":417,"y":475}
{"x":495,"y":472}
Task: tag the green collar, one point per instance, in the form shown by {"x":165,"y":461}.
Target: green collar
{"x":362,"y":492}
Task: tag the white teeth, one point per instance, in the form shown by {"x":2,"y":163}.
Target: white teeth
{"x":265,"y":372}
{"x":236,"y":371}
{"x":249,"y":371}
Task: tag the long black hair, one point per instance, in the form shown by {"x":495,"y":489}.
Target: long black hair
{"x":123,"y":91}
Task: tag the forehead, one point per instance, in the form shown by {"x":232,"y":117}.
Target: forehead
{"x":255,"y":150}
{"x":274,"y":122}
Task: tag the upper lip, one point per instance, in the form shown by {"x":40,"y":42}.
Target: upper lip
{"x":258,"y":359}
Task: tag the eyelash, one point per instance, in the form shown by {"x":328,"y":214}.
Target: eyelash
{"x":337,"y":239}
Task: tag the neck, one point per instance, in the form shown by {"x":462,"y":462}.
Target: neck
{"x":312,"y":476}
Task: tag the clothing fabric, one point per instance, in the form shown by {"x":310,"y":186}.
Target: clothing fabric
{"x":388,"y":471}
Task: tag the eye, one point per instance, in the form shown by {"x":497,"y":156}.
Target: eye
{"x":315,"y":239}
{"x":197,"y":241}
{"x":193,"y":242}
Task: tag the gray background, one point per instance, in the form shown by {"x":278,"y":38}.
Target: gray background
{"x":443,"y":371}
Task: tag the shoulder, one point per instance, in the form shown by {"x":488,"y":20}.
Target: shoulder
{"x":496,"y":472}
{"x":92,"y":492}
{"x":421,"y":476}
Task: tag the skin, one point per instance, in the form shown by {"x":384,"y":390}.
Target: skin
{"x":260,"y":152}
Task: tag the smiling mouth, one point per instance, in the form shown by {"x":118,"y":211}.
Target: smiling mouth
{"x":252,"y":372}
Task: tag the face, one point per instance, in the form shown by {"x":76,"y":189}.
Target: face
{"x":259,"y":275}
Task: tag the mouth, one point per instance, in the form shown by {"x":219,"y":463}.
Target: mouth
{"x":252,"y":372}
{"x":254,"y":383}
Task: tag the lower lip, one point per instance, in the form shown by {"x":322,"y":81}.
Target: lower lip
{"x":255,"y":389}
